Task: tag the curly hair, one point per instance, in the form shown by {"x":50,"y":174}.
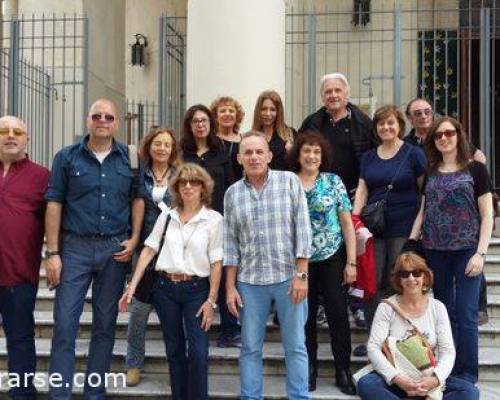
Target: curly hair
{"x":283,"y":130}
{"x":240,"y":113}
{"x":310,"y":138}
{"x":147,"y":140}
{"x":188,"y":144}
{"x":190,"y":171}
{"x":434,"y":156}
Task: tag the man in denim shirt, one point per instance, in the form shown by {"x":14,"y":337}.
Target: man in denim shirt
{"x":88,"y":227}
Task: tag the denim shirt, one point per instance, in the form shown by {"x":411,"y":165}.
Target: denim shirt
{"x":96,"y":197}
{"x":145,"y":191}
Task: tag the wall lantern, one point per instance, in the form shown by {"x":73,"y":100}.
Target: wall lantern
{"x":361,"y":12}
{"x":138,"y":55}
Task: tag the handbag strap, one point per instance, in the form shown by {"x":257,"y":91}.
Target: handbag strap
{"x":167,"y":222}
{"x":390,"y":185}
{"x":400,"y":312}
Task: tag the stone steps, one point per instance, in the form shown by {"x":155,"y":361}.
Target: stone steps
{"x":225,"y":361}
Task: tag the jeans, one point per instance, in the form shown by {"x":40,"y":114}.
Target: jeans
{"x":16,"y":308}
{"x":86,"y":260}
{"x":228,"y":322}
{"x":460,"y":295}
{"x":374,"y":387}
{"x":136,"y":333}
{"x":176,"y":304}
{"x":253,"y":316}
{"x":325,"y":278}
{"x":386,"y":253}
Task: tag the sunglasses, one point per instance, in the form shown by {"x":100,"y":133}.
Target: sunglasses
{"x":416,"y":273}
{"x":192,"y":182}
{"x":448,"y":133}
{"x":16,"y":131}
{"x":98,"y":117}
{"x":197,"y":121}
{"x":421,"y":113}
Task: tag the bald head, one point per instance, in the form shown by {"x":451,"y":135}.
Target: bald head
{"x":103,"y":102}
{"x":102,"y":121}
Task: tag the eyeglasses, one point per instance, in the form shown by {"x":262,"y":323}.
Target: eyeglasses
{"x":98,"y":117}
{"x":192,"y":182}
{"x":421,"y":113}
{"x":197,"y":121}
{"x":416,"y":273}
{"x":448,"y":133}
{"x":16,"y":131}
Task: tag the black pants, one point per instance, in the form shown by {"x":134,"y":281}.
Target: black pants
{"x":325,"y":278}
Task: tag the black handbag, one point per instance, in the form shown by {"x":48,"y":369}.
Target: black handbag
{"x":145,"y":286}
{"x":373,"y":214}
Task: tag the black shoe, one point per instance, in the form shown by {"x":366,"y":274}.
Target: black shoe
{"x":313,"y":374}
{"x":344,"y":382}
{"x":360,"y":351}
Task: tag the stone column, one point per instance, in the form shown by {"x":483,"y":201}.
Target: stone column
{"x":235,"y":48}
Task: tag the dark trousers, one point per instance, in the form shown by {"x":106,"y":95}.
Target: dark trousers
{"x":483,"y":295}
{"x":325,"y":278}
{"x":16,"y":307}
{"x":176,"y":304}
{"x":460,"y":295}
{"x":228,"y":322}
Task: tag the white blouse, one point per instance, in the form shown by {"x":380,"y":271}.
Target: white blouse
{"x":189,"y":248}
{"x":434,"y":324}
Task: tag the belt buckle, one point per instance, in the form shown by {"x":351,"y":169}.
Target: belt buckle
{"x":175,"y":280}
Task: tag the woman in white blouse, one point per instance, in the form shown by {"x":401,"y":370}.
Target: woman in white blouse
{"x":189,"y":268}
{"x":412,"y":280}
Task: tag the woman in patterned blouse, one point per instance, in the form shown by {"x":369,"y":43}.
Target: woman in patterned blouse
{"x":333,"y":262}
{"x":455,"y":220}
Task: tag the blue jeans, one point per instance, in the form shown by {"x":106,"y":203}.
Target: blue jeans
{"x":86,"y":260}
{"x":136,"y":333}
{"x":16,"y":308}
{"x":374,"y":387}
{"x":254,"y":314}
{"x":460,"y":294}
{"x":176,"y":304}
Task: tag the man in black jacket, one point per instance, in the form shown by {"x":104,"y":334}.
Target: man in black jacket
{"x":345,"y":126}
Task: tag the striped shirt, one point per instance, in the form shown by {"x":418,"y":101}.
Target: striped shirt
{"x":266,"y":231}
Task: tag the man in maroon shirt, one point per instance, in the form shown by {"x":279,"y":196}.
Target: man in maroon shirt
{"x":22,"y":187}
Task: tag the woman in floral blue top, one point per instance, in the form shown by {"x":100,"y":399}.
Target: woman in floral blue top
{"x":332,"y":265}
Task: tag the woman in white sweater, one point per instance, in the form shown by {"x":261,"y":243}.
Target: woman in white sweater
{"x":412,"y":280}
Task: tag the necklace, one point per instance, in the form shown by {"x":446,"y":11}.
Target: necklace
{"x":157,"y":180}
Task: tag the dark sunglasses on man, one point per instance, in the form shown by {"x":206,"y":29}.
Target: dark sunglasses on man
{"x":99,"y":116}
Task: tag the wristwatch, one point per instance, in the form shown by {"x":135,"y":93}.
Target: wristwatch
{"x":212,"y":303}
{"x":302,"y":275}
{"x":50,"y":253}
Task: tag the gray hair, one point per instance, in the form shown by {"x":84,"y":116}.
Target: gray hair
{"x":335,"y":75}
{"x":254,"y":133}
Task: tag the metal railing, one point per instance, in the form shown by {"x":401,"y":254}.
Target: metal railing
{"x":139,"y":117}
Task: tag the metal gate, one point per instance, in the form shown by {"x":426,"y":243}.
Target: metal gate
{"x":391,"y":51}
{"x":44,"y":79}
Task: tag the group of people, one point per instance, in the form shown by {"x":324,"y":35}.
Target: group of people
{"x":244,"y":223}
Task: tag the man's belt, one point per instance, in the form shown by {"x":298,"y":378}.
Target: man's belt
{"x":178,"y":277}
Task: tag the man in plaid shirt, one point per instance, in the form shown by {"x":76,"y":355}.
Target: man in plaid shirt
{"x":267,"y":243}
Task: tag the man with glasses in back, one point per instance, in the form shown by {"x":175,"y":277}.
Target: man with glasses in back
{"x":89,"y":240}
{"x":22,"y":205}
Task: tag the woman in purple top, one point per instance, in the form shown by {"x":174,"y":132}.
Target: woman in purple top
{"x":402,"y":164}
{"x":455,"y":220}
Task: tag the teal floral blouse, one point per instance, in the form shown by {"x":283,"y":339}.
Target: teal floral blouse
{"x":325,"y":200}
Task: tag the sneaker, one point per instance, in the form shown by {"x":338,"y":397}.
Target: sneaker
{"x":321,"y":317}
{"x":133,"y":376}
{"x":359,"y":318}
{"x":360,"y":351}
{"x":231,"y":340}
{"x":482,"y":317}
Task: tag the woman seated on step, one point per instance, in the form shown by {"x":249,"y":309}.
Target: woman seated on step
{"x":395,"y":320}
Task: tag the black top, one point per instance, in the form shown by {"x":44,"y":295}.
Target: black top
{"x":232,"y":148}
{"x":277,"y":147}
{"x":218,"y":165}
{"x":349,"y":138}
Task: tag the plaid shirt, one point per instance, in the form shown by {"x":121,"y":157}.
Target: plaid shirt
{"x":266,"y":231}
